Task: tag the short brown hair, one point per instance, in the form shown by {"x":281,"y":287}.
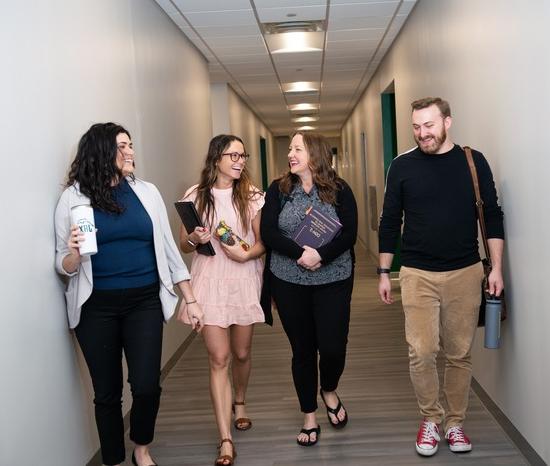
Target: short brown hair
{"x":426,"y":102}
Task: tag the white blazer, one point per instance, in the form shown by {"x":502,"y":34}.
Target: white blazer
{"x":171,"y":268}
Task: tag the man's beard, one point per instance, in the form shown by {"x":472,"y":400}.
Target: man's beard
{"x":434,"y":144}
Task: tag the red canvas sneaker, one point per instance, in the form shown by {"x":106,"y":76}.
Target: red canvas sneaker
{"x":457,"y":440}
{"x":427,"y":439}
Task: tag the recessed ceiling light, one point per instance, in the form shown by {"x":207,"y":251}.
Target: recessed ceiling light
{"x":306,"y":128}
{"x":305,"y":119}
{"x":316,"y":25}
{"x":302,"y":107}
{"x":301,"y":86}
{"x":293,"y":42}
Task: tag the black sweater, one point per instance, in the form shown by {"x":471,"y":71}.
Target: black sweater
{"x":436,"y":194}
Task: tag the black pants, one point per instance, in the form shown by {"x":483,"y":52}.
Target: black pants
{"x":316,"y":321}
{"x":112,"y":321}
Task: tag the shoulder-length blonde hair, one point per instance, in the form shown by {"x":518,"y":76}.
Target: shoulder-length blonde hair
{"x":243,"y":191}
{"x":320,"y":164}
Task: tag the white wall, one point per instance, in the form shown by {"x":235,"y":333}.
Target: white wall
{"x":489,"y":60}
{"x":281,"y":155}
{"x":350,"y":167}
{"x":173,"y":100}
{"x":66,"y":65}
{"x":231,"y":115}
{"x":246,"y":124}
{"x":219,"y":102}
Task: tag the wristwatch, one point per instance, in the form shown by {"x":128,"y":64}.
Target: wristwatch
{"x":191,"y":243}
{"x":380,"y":270}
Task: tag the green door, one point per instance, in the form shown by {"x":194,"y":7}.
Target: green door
{"x":263,"y":162}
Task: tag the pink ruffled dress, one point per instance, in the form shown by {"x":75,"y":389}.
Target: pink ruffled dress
{"x":227,"y":291}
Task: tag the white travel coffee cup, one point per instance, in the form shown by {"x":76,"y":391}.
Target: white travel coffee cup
{"x":83,"y":217}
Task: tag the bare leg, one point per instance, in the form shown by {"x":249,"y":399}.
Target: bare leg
{"x":241,"y":342}
{"x":142,"y":455}
{"x":219,"y":355}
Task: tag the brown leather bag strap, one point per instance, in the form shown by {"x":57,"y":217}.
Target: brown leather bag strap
{"x":479,"y":201}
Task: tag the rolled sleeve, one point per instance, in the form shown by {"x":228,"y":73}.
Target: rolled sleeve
{"x":62,"y":225}
{"x":178,"y":269}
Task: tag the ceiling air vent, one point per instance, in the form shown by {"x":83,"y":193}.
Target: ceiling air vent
{"x":295,"y":36}
{"x":294,"y":26}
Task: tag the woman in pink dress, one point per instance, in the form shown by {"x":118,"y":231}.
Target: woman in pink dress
{"x":227,"y":285}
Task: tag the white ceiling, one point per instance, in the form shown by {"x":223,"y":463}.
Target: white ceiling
{"x":230,"y":35}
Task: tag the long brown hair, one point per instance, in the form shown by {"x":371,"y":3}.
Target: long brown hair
{"x":320,"y":163}
{"x":243,"y":191}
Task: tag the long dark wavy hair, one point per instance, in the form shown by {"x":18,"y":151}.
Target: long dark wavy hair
{"x":94,"y":166}
{"x":243,"y":191}
{"x":320,"y":163}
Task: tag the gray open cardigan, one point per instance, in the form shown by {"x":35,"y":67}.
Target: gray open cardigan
{"x":170,"y":266}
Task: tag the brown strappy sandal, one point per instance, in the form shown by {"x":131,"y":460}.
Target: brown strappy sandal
{"x":243,"y":423}
{"x":225,"y":460}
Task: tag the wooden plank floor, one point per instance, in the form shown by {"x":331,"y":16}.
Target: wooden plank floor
{"x":375,"y":389}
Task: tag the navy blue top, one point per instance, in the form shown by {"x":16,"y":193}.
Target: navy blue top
{"x":125,"y":250}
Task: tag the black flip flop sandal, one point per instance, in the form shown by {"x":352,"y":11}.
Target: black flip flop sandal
{"x":308,"y":432}
{"x":340,"y":424}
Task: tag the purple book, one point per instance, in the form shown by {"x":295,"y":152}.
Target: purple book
{"x":316,"y":229}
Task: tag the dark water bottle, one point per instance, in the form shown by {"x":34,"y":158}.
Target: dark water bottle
{"x":493,"y":310}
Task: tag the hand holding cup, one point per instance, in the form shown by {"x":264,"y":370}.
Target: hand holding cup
{"x":75,"y":239}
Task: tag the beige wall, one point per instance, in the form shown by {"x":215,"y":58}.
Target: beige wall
{"x":355,"y":170}
{"x":246,"y":124}
{"x":219,"y":101}
{"x":65,"y":66}
{"x":281,"y":155}
{"x":230,"y":114}
{"x":488,"y":59}
{"x":173,"y":100}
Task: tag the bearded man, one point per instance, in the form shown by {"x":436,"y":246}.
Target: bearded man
{"x":441,"y":272}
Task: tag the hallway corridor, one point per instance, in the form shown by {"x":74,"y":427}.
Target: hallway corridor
{"x":375,"y":389}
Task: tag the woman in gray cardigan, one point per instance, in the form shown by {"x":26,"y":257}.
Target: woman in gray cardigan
{"x":118,"y":299}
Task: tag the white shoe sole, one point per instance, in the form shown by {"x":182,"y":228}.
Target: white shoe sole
{"x":425,"y":451}
{"x":460,"y":448}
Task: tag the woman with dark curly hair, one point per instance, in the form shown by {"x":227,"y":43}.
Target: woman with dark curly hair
{"x":227,"y":285}
{"x":311,"y":287}
{"x":118,"y":299}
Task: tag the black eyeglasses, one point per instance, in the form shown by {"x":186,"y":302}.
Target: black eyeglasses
{"x":235,"y":156}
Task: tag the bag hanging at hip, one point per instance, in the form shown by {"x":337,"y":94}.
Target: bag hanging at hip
{"x":487,"y":260}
